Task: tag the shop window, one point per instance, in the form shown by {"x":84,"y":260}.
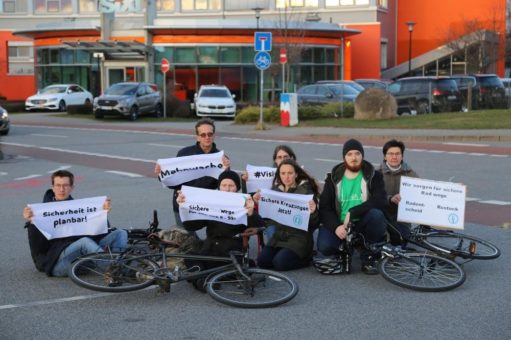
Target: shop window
{"x":165,"y":5}
{"x":330,"y":56}
{"x":164,"y":52}
{"x":21,"y":58}
{"x":230,"y":55}
{"x":53,"y":6}
{"x":247,"y":55}
{"x":185,"y":55}
{"x":208,"y":54}
{"x":194,"y":5}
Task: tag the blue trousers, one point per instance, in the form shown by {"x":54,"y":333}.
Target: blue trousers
{"x":117,"y":240}
{"x":372,"y":226}
{"x":280,"y":259}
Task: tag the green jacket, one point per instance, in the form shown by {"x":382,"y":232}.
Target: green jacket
{"x":299,"y":241}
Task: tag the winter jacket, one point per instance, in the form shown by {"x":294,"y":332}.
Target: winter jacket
{"x":299,"y":241}
{"x":373,"y":193}
{"x":392,"y":180}
{"x":205,"y":182}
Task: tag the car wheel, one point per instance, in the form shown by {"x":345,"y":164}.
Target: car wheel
{"x":158,"y":111}
{"x":87,"y":102}
{"x":423,"y":108}
{"x":134,"y":113}
{"x":62,"y":106}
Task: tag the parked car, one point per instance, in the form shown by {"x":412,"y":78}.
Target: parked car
{"x":507,"y":86}
{"x":5,"y":124}
{"x":58,"y":97}
{"x":426,"y":94}
{"x":214,"y":101}
{"x":491,"y":92}
{"x":322,"y":93}
{"x":130,"y":100}
{"x":373,"y":83}
{"x":464,"y":83}
{"x":351,"y":83}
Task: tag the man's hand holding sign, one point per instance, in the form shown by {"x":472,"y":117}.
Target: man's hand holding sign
{"x":439,"y":204}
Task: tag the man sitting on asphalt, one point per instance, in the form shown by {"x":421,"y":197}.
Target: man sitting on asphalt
{"x":353,"y":192}
{"x":54,"y":257}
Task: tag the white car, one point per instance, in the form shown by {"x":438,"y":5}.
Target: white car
{"x":214,"y":101}
{"x":58,"y":97}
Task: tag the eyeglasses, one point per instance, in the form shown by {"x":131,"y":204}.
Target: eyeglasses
{"x":204,"y":135}
{"x":283,"y":157}
{"x":62,"y":186}
{"x":391,"y":154}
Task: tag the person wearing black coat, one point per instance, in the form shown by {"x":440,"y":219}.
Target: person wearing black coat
{"x":353,"y":192}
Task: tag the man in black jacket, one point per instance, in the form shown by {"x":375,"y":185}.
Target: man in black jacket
{"x":205,"y":131}
{"x":54,"y":257}
{"x":353,"y":192}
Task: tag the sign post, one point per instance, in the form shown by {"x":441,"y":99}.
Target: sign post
{"x":165,"y":66}
{"x":283,"y":61}
{"x":262,"y":60}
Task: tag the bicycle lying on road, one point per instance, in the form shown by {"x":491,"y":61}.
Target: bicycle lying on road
{"x":233,"y":282}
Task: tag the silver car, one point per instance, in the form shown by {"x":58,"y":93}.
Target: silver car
{"x":58,"y":98}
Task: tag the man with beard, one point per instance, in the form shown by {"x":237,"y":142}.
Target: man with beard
{"x":354,"y":192}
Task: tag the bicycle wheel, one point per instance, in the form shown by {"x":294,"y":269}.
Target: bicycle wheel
{"x":421,"y":271}
{"x":265,"y":288}
{"x":461,"y":245}
{"x":113,"y":272}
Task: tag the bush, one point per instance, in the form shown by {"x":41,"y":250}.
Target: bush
{"x":85,"y":109}
{"x":250,"y":114}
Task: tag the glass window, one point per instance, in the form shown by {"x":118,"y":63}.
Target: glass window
{"x":307,"y":55}
{"x":54,"y":56}
{"x":185,"y":55}
{"x":13,"y":6}
{"x":383,"y":55}
{"x":383,"y":3}
{"x":21,"y":58}
{"x":297,"y":3}
{"x":230,"y":55}
{"x":330,"y":56}
{"x":82,"y":57}
{"x":319,"y":55}
{"x":53,"y":6}
{"x":192,"y":5}
{"x":67,"y":56}
{"x":164,"y":52}
{"x":87,"y":6}
{"x":208,"y":54}
{"x":165,"y":5}
{"x":335,"y":3}
{"x":248,"y":54}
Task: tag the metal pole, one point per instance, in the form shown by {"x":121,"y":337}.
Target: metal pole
{"x":283,"y":78}
{"x":261,"y":122}
{"x":164,"y":95}
{"x":410,"y":54}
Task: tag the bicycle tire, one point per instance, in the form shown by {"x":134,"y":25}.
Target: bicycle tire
{"x":96,"y":272}
{"x":422,"y":271}
{"x":460,"y":245}
{"x":266,"y":288}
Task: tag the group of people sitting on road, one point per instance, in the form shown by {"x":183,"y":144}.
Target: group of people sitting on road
{"x":354,"y":192}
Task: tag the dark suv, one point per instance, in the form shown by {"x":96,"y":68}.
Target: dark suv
{"x":130,"y":100}
{"x":491,"y":92}
{"x":426,"y":94}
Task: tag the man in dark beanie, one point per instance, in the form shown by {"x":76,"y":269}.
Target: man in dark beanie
{"x":229,"y":181}
{"x":353,"y":192}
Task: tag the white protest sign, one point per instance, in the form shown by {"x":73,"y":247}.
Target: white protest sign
{"x":259,"y":177}
{"x":434,"y":203}
{"x":178,"y":170}
{"x":288,"y":209}
{"x":215,"y":205}
{"x":70,"y":218}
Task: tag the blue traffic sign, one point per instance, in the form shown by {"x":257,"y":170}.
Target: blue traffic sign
{"x":262,"y":41}
{"x":262,"y":60}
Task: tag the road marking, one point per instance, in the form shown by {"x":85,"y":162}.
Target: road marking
{"x":123,"y":173}
{"x":3,"y":173}
{"x":327,"y":160}
{"x":471,"y":199}
{"x":167,"y":145}
{"x":27,"y":177}
{"x":495,"y":202}
{"x":468,"y":144}
{"x":65,"y":167}
{"x":45,"y":135}
{"x":476,"y":154}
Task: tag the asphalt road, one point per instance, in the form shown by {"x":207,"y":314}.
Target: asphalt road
{"x":356,"y":306}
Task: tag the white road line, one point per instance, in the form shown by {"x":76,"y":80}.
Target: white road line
{"x":123,"y":173}
{"x":472,"y":199}
{"x":495,"y":202}
{"x":3,"y":173}
{"x":327,"y":160}
{"x":467,"y":144}
{"x":500,"y":156}
{"x":167,"y":145}
{"x":27,"y":177}
{"x":476,"y":154}
{"x":44,"y":135}
{"x":65,"y":167}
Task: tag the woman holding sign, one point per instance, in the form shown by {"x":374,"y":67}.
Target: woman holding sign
{"x":289,"y":247}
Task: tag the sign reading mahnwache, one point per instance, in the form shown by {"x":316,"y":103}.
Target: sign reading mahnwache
{"x":434,"y":203}
{"x":179,"y":170}
{"x":70,"y":218}
{"x":120,"y":6}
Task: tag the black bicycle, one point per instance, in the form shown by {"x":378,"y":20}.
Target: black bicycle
{"x":234,"y":282}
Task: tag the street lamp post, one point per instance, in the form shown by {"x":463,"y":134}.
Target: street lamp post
{"x":410,"y":25}
{"x":257,"y":11}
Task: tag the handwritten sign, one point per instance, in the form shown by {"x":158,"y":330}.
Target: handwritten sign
{"x":259,"y":177}
{"x":288,"y":209}
{"x":434,"y":203}
{"x":178,"y":170}
{"x":70,"y":218}
{"x":206,"y":204}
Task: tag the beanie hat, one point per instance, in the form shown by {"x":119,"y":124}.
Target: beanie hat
{"x":232,"y":176}
{"x":352,"y":144}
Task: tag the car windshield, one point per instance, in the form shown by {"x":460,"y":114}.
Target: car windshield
{"x":215,"y":93}
{"x":122,"y":89}
{"x":344,"y":89}
{"x":446,"y":84}
{"x":490,"y":81}
{"x":54,"y":89}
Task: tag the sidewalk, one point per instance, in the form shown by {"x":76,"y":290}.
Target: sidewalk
{"x":228,"y":128}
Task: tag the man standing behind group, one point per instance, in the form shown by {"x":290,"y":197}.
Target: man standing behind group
{"x":205,"y":134}
{"x":353,"y":192}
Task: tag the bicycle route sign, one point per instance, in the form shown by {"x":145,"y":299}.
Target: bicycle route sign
{"x":262,"y":60}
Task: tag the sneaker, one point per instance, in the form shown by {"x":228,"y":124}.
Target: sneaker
{"x":370,"y":268}
{"x":112,"y":276}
